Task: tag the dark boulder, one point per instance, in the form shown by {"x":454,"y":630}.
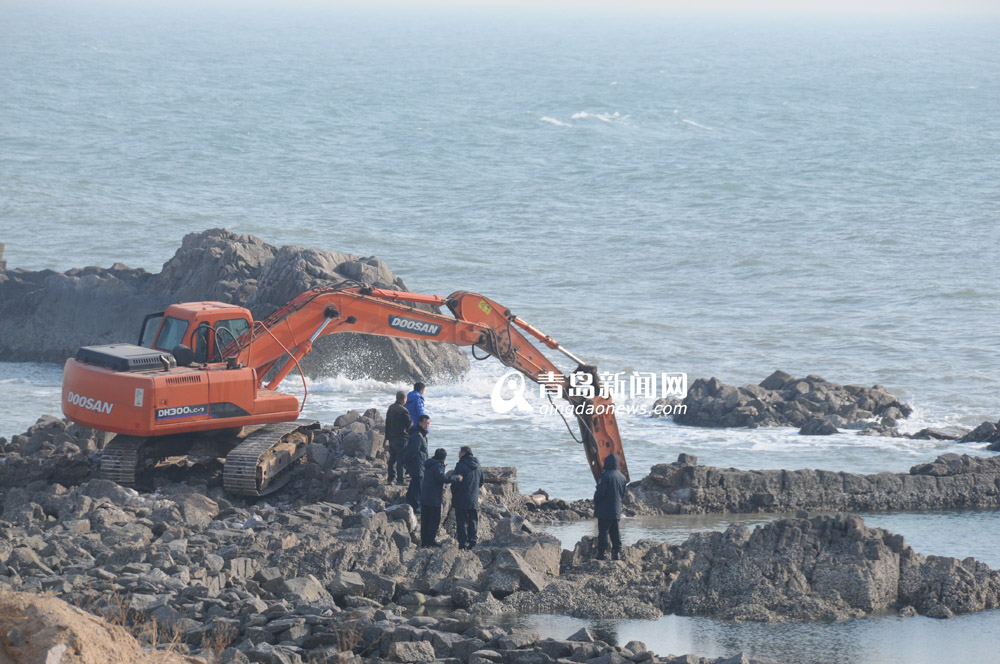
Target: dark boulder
{"x":817,"y":427}
{"x":987,"y":432}
{"x":46,"y":316}
{"x":782,"y":400}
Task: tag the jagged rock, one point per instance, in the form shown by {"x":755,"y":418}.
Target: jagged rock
{"x":411,"y":651}
{"x":776,"y":381}
{"x":346,"y":583}
{"x":987,"y":432}
{"x":46,"y":316}
{"x":403,"y":513}
{"x":817,"y":427}
{"x":780,"y":400}
{"x":940,"y":433}
{"x":307,"y":590}
{"x":584,"y":634}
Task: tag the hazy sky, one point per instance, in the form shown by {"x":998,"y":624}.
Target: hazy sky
{"x":619,"y":7}
{"x":716,"y":6}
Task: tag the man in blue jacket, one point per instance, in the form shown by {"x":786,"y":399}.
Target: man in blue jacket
{"x":415,"y":402}
{"x":465,"y":497}
{"x":608,"y":498}
{"x":414,"y":456}
{"x":432,"y":496}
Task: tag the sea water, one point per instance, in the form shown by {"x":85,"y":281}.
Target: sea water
{"x":722,"y":196}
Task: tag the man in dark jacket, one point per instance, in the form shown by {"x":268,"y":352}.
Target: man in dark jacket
{"x":432,"y":496}
{"x":608,"y":498}
{"x":397,"y":426}
{"x":414,"y":457}
{"x":465,"y":497}
{"x":415,"y":401}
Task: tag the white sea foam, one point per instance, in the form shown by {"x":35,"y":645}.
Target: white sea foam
{"x":695,"y":124}
{"x":553,"y":121}
{"x":341,"y":383}
{"x":610,"y":118}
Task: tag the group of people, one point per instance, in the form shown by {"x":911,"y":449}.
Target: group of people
{"x":406,"y":427}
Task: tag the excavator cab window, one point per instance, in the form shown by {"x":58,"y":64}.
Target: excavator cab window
{"x":171,"y":333}
{"x":229,"y":331}
{"x":202,"y":340}
{"x":150,"y":324}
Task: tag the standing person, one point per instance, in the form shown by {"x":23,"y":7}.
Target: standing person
{"x":414,"y":456}
{"x":397,"y":426}
{"x":465,"y":497}
{"x":415,"y":401}
{"x":432,"y":495}
{"x":608,"y":498}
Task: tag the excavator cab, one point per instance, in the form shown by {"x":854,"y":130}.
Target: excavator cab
{"x":203,"y":327}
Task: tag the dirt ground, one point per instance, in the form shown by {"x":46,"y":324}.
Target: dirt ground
{"x":36,"y":629}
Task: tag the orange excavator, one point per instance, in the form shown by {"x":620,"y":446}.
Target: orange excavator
{"x":204,"y":377}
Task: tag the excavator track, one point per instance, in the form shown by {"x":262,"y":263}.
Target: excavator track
{"x":258,"y":466}
{"x":121,"y":459}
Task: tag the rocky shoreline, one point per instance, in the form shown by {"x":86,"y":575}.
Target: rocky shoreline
{"x":814,"y":405}
{"x":328,"y":569}
{"x":951,"y":481}
{"x":803,"y":568}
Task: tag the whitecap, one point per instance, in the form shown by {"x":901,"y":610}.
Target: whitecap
{"x":695,"y":124}
{"x":555,"y":122}
{"x":610,"y":118}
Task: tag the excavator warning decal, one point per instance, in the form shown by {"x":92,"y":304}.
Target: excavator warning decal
{"x":415,"y":326}
{"x":485,"y":306}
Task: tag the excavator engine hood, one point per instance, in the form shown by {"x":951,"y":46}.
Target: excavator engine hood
{"x":125,"y":357}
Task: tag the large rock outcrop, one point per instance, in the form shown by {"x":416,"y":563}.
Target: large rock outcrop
{"x":819,"y":568}
{"x":949,"y":482}
{"x":46,"y":316}
{"x":782,"y":400}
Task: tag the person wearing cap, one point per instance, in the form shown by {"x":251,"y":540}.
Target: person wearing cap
{"x":465,"y":497}
{"x":397,"y":426}
{"x":432,"y":496}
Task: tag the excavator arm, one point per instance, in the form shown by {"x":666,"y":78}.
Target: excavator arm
{"x":274,"y":346}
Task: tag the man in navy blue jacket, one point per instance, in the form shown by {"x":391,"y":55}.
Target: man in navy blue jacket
{"x":608,"y":498}
{"x":397,"y":428}
{"x":432,"y":496}
{"x":414,"y":457}
{"x":465,"y":497}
